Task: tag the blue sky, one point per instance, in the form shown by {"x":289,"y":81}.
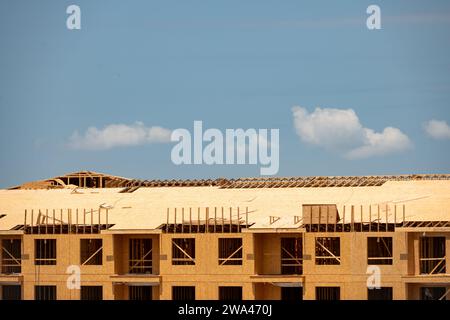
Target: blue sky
{"x":231,"y":64}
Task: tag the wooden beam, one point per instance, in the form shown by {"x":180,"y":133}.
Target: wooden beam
{"x":215,"y":219}
{"x":343,"y":219}
{"x":395,"y":216}
{"x":190,"y":220}
{"x":182,"y":220}
{"x":331,"y":254}
{"x":46,"y":221}
{"x":223,"y":221}
{"x":387,"y":217}
{"x":99,"y":220}
{"x":184,"y":252}
{"x":362,"y":217}
{"x":92,"y":220}
{"x":54,"y":226}
{"x":378,"y":224}
{"x":93,"y":255}
{"x":198,"y":219}
{"x":175,"y":221}
{"x":207,"y":220}
{"x":231,"y":255}
{"x":167,"y":222}
{"x":37,"y":222}
{"x":353,"y":217}
{"x":246,"y":217}
{"x":231,"y":220}
{"x":238,"y":220}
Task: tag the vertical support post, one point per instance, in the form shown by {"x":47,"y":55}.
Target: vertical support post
{"x":190,"y":220}
{"x":175,"y":221}
{"x":215,"y":219}
{"x":92,"y":220}
{"x":395,"y":216}
{"x":46,"y":221}
{"x":76,"y":220}
{"x":334,"y":223}
{"x":32,"y":214}
{"x":231,"y":219}
{"x":387,"y":216}
{"x":378,"y":224}
{"x":238,"y":220}
{"x":84,"y":220}
{"x":167,"y":222}
{"x":198,"y":220}
{"x":361,"y":221}
{"x":246,"y":218}
{"x":61,"y":222}
{"x":370,"y":218}
{"x":99,"y":220}
{"x":54,"y":217}
{"x":353,"y":218}
{"x":223,"y":221}
{"x":182,"y":220}
{"x":107,"y":218}
{"x":25,"y":222}
{"x":320,"y":217}
{"x":37,"y":222}
{"x":343,"y":219}
{"x":403,"y":215}
{"x":69,"y":225}
{"x":207,"y":220}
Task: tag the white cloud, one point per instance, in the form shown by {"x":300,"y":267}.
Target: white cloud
{"x":118,"y":135}
{"x":340,"y":130}
{"x":437,"y":129}
{"x":391,"y":140}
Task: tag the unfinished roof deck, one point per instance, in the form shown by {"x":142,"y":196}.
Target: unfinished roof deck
{"x":268,"y":203}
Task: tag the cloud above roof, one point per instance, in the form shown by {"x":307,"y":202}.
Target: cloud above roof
{"x":340,"y":131}
{"x":437,"y":129}
{"x":118,"y":135}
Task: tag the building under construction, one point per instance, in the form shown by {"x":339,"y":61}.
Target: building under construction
{"x":311,"y":238}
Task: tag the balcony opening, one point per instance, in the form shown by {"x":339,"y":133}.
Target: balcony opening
{"x":180,"y":293}
{"x":291,"y":293}
{"x":328,"y":293}
{"x":384,"y":293}
{"x":328,"y":251}
{"x":91,"y":252}
{"x":230,"y":293}
{"x":379,"y":251}
{"x":140,"y":293}
{"x":91,"y":293}
{"x":230,"y":251}
{"x":11,"y":292}
{"x":183,"y":251}
{"x":11,"y":256}
{"x":45,"y":252}
{"x":433,"y":293}
{"x":432,"y":255}
{"x":291,"y":256}
{"x":44,"y":292}
{"x":140,"y":256}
